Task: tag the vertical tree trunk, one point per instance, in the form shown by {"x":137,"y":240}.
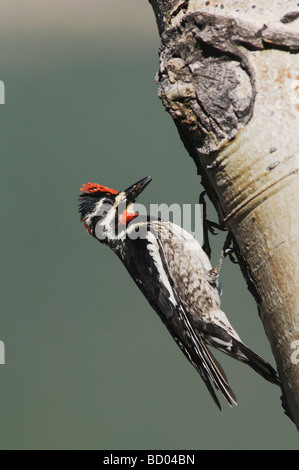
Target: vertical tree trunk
{"x":229,"y":77}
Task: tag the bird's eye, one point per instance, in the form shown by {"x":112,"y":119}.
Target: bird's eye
{"x":108,"y":202}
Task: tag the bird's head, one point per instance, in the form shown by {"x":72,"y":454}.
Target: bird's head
{"x":107,"y":212}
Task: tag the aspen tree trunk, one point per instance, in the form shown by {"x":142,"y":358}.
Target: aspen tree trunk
{"x":229,"y":77}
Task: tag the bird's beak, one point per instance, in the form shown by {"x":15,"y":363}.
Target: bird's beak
{"x":133,"y":191}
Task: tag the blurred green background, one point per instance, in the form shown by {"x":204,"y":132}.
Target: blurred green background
{"x":89,"y":365}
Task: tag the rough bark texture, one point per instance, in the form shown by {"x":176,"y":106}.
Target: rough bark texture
{"x":229,"y":77}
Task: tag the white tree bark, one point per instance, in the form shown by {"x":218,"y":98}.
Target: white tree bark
{"x":229,"y":77}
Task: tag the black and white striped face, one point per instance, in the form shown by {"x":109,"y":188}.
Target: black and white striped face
{"x":99,"y":209}
{"x":106,"y":212}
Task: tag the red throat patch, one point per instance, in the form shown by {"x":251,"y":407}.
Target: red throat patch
{"x":127,"y":216}
{"x":91,"y":188}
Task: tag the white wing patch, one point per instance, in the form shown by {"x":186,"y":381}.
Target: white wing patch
{"x":154,"y":252}
{"x":226,"y":344}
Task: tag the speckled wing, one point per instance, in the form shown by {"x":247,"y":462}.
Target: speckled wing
{"x":158,"y":280}
{"x":189,"y":268}
{"x":189,"y":273}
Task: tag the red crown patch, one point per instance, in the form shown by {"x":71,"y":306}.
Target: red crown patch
{"x":91,"y":188}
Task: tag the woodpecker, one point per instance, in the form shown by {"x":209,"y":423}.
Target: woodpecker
{"x":175,"y":275}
